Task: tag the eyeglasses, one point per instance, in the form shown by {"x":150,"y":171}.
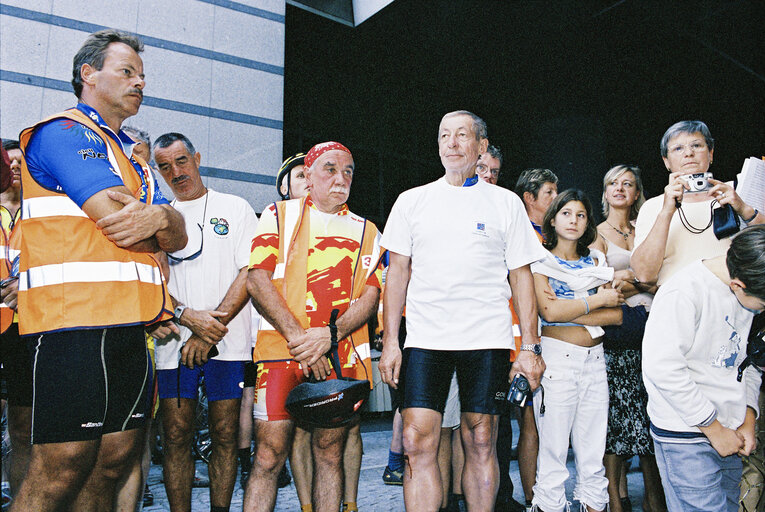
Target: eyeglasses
{"x":695,"y":147}
{"x":174,"y":260}
{"x":481,"y":169}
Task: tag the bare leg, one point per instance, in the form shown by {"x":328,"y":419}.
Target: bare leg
{"x":397,"y":439}
{"x":224,"y":424}
{"x":116,"y":456}
{"x":130,"y":487}
{"x":614,"y":467}
{"x":528,"y":450}
{"x":654,"y":492}
{"x":445,"y":463}
{"x":328,"y":445}
{"x":245,"y":418}
{"x":272,"y":439}
{"x":57,"y":472}
{"x":458,"y":461}
{"x":354,"y":450}
{"x":422,"y":481}
{"x":301,"y":464}
{"x":480,"y":478}
{"x":179,"y":464}
{"x":20,"y":430}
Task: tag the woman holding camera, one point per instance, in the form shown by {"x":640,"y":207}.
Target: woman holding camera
{"x":628,"y":433}
{"x":674,"y":229}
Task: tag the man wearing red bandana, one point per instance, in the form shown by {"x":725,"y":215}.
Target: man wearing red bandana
{"x":309,"y":257}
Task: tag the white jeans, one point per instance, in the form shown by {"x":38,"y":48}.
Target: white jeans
{"x":576,"y":407}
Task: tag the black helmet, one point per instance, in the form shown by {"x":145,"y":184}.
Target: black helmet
{"x":330,"y":403}
{"x":327,"y":404}
{"x":284,"y":171}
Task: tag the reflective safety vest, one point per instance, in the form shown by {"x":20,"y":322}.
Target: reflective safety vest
{"x":9,"y":253}
{"x":290,"y":278}
{"x":71,"y":275}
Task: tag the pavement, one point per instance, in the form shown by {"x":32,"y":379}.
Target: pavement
{"x":374,"y":495}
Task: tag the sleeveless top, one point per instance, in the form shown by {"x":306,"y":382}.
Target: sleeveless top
{"x":619,"y":258}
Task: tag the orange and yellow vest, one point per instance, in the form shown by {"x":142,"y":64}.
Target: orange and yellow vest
{"x":290,"y":277}
{"x":9,"y":250}
{"x":71,"y":275}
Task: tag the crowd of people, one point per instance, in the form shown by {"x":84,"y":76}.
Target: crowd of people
{"x":117,"y":304}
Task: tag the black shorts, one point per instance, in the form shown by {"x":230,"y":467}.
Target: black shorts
{"x":88,"y":383}
{"x":481,"y":374}
{"x":17,"y":368}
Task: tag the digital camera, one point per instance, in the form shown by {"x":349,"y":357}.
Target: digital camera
{"x":519,"y":391}
{"x":698,"y":182}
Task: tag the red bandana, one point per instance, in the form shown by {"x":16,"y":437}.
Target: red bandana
{"x":320,"y":149}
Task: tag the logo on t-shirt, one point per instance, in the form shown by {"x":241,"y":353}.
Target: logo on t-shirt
{"x":728,"y":352}
{"x":220,"y":226}
{"x":480,"y":228}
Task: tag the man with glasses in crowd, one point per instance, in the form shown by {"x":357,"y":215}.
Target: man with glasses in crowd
{"x":208,"y":287}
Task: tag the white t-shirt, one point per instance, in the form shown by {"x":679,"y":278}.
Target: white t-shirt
{"x":228,"y":224}
{"x":462,"y":241}
{"x":694,"y":341}
{"x":682,"y":246}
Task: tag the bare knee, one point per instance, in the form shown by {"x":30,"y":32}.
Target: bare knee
{"x":420,"y":441}
{"x":328,"y":446}
{"x":270,"y":457}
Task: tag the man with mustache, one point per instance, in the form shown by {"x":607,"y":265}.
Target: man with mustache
{"x":452,"y":244}
{"x":309,"y":257}
{"x":207,"y":285}
{"x":88,"y":283}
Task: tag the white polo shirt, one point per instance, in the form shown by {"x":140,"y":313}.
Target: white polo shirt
{"x":462,"y":241}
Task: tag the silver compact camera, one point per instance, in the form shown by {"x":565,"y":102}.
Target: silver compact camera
{"x":698,"y":182}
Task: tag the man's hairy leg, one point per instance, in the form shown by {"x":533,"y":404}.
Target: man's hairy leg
{"x":422,"y":481}
{"x":272,"y":440}
{"x":178,"y":468}
{"x":480,"y":478}
{"x":301,"y":464}
{"x":57,"y":472}
{"x":328,"y":445}
{"x":354,"y":450}
{"x":224,"y":424}
{"x":116,"y":454}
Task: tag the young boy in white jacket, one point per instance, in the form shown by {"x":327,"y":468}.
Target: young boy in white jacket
{"x":702,"y":417}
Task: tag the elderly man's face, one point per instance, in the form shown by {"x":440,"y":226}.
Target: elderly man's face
{"x":142,"y":150}
{"x":488,"y":168}
{"x":457,"y":145}
{"x":180,"y":170}
{"x":329,"y":179}
{"x":15,"y":156}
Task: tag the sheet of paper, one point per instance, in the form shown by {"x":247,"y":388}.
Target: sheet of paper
{"x":751,"y":183}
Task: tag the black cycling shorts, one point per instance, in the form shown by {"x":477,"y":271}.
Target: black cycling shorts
{"x":88,"y":383}
{"x":17,"y":368}
{"x":482,"y":376}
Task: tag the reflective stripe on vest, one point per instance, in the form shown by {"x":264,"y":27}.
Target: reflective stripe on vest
{"x":72,"y":276}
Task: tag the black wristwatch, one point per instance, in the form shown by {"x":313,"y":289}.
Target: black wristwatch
{"x":532,"y":347}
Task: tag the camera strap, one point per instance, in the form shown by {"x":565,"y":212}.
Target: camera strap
{"x":690,"y":227}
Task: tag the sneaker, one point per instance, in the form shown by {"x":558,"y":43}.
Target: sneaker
{"x":148,"y":496}
{"x":6,"y":496}
{"x":509,"y":505}
{"x":284,"y":478}
{"x":391,"y":477}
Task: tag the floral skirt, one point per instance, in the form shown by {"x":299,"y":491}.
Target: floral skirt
{"x":627,"y":416}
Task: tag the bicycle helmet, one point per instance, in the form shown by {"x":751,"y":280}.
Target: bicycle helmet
{"x":284,"y":172}
{"x":329,"y":403}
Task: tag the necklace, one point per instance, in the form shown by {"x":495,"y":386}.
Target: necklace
{"x":625,"y":235}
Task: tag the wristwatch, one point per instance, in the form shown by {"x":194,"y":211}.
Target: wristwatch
{"x":533,"y":347}
{"x":178,"y":312}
